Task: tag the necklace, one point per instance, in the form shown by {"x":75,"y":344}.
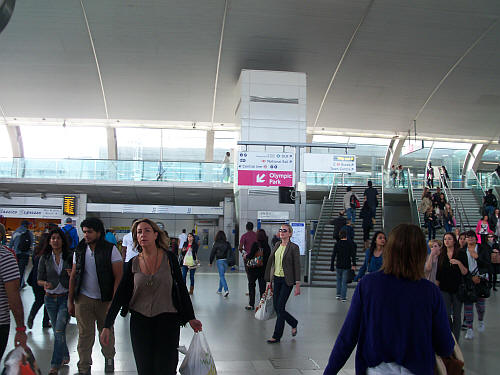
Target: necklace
{"x":150,"y":281}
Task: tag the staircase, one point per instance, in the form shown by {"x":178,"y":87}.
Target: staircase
{"x":466,"y":208}
{"x":324,"y":242}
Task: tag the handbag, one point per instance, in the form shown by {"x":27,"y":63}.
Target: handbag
{"x":350,"y":276}
{"x":265,"y":310}
{"x":452,"y":365}
{"x":257,"y":261}
{"x":231,"y":261}
{"x":467,"y":292}
{"x":483,"y":288}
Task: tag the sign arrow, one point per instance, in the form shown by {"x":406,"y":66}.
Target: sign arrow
{"x":260,"y":178}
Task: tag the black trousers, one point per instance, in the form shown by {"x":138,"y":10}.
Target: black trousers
{"x":255,"y":274}
{"x":39,"y":293}
{"x":366,"y":233}
{"x":154,"y":342}
{"x":4,"y":336}
{"x":280,"y":297}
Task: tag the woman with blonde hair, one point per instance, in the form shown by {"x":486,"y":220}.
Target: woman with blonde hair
{"x":397,"y":318}
{"x":154,"y":291}
{"x":282,"y":274}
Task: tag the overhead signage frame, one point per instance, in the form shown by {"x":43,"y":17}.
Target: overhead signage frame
{"x":329,"y":163}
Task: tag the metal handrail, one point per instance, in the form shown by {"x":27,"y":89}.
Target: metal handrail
{"x":465,"y":213}
{"x":411,"y":197}
{"x":383,"y":200}
{"x":451,"y":198}
{"x":314,"y":240}
{"x":331,"y":187}
{"x":478,"y":181}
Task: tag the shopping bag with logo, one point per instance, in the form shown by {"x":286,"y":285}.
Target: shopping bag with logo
{"x":20,"y":361}
{"x":265,"y":310}
{"x":198,"y":359}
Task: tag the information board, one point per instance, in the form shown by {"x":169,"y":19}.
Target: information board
{"x":261,"y":168}
{"x":299,"y":236}
{"x":329,"y":163}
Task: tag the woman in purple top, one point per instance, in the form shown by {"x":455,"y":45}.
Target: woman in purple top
{"x":397,"y":318}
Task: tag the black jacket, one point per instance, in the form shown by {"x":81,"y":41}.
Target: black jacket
{"x":220,"y":250}
{"x":125,"y":290}
{"x":490,"y":200}
{"x":345,"y":253}
{"x":483,"y":260}
{"x":366,"y":215}
{"x":104,"y":268}
{"x":492,"y":221}
{"x":47,"y":271}
{"x":338,"y":224}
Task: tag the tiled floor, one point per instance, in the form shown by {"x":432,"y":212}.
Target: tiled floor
{"x":238,"y":341}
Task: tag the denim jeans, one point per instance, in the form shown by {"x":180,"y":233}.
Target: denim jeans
{"x":22,"y":261}
{"x":351,"y":214}
{"x":448,"y":227}
{"x":489,"y":210}
{"x":431,"y":230}
{"x":280,"y":297}
{"x":185,"y":270}
{"x":342,"y":282}
{"x":222,"y":267}
{"x":57,"y":307}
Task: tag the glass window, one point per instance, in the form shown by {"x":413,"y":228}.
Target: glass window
{"x":138,"y":143}
{"x":5,"y":147}
{"x":181,"y":145}
{"x":64,"y":142}
{"x":224,"y":141}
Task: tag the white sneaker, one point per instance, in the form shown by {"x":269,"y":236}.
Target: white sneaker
{"x":337,"y":297}
{"x":481,"y":326}
{"x":219,"y":292}
{"x":226,"y":293}
{"x":470,"y":334}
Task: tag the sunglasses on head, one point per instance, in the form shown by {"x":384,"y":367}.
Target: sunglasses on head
{"x":283,"y":230}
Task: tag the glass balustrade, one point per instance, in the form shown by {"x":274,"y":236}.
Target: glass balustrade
{"x":116,"y":170}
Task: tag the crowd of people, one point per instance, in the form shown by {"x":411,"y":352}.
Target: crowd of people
{"x":90,"y":280}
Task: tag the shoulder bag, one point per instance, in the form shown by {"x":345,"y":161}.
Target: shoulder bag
{"x":231,"y":261}
{"x":467,"y":292}
{"x":258,"y":260}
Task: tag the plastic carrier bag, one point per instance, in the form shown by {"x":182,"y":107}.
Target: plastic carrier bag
{"x":265,"y":310}
{"x":198,"y":359}
{"x":20,"y":361}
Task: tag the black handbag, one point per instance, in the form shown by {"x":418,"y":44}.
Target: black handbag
{"x":467,"y":292}
{"x":231,"y":261}
{"x":483,"y":288}
{"x":350,"y":276}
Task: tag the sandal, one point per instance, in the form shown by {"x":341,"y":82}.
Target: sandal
{"x":294,"y":331}
{"x":249,"y":307}
{"x":53,"y":371}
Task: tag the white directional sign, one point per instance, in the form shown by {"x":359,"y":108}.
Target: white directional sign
{"x":261,"y":168}
{"x":299,"y":236}
{"x":330,"y":163}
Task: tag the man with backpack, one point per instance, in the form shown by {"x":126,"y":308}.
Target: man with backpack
{"x":71,"y":234}
{"x":22,"y":242}
{"x":351,"y":202}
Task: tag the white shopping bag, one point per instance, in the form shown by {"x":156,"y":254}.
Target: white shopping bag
{"x":198,"y":359}
{"x":20,"y":359}
{"x":265,"y":310}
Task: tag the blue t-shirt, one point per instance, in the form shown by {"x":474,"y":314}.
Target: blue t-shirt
{"x":393,"y":320}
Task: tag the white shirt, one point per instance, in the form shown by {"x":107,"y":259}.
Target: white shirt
{"x":347,"y":200}
{"x":472,"y":262}
{"x":128,"y":241}
{"x":182,"y":238}
{"x":90,"y":282}
{"x":388,"y":369}
{"x":59,"y":289}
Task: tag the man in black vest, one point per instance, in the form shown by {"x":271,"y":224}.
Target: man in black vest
{"x":97,"y":270}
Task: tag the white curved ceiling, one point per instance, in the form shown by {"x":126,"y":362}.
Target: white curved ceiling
{"x":158,"y":60}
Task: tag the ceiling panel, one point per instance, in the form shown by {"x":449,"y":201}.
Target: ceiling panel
{"x":158,"y":60}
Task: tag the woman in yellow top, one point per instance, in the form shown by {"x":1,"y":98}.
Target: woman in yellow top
{"x":282,"y":273}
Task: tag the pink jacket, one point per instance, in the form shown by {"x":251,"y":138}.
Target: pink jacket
{"x":478,"y":228}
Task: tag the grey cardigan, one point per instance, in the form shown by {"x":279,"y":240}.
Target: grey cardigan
{"x":290,"y":263}
{"x":47,"y":271}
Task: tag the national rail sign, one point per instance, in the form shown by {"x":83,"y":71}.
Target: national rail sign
{"x":262,"y":168}
{"x":329,"y":163}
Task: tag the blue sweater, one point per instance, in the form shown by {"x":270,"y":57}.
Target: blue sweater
{"x":374,"y":266}
{"x":393,"y":320}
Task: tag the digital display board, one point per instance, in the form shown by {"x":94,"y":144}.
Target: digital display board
{"x":69,"y":205}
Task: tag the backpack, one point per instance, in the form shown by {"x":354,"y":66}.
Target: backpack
{"x":69,"y":239}
{"x":24,"y":244}
{"x":354,"y":202}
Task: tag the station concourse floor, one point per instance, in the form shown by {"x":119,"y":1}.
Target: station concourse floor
{"x":238,"y":341}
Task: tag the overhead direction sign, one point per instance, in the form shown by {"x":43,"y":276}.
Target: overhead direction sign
{"x":262,"y":168}
{"x":329,"y":163}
